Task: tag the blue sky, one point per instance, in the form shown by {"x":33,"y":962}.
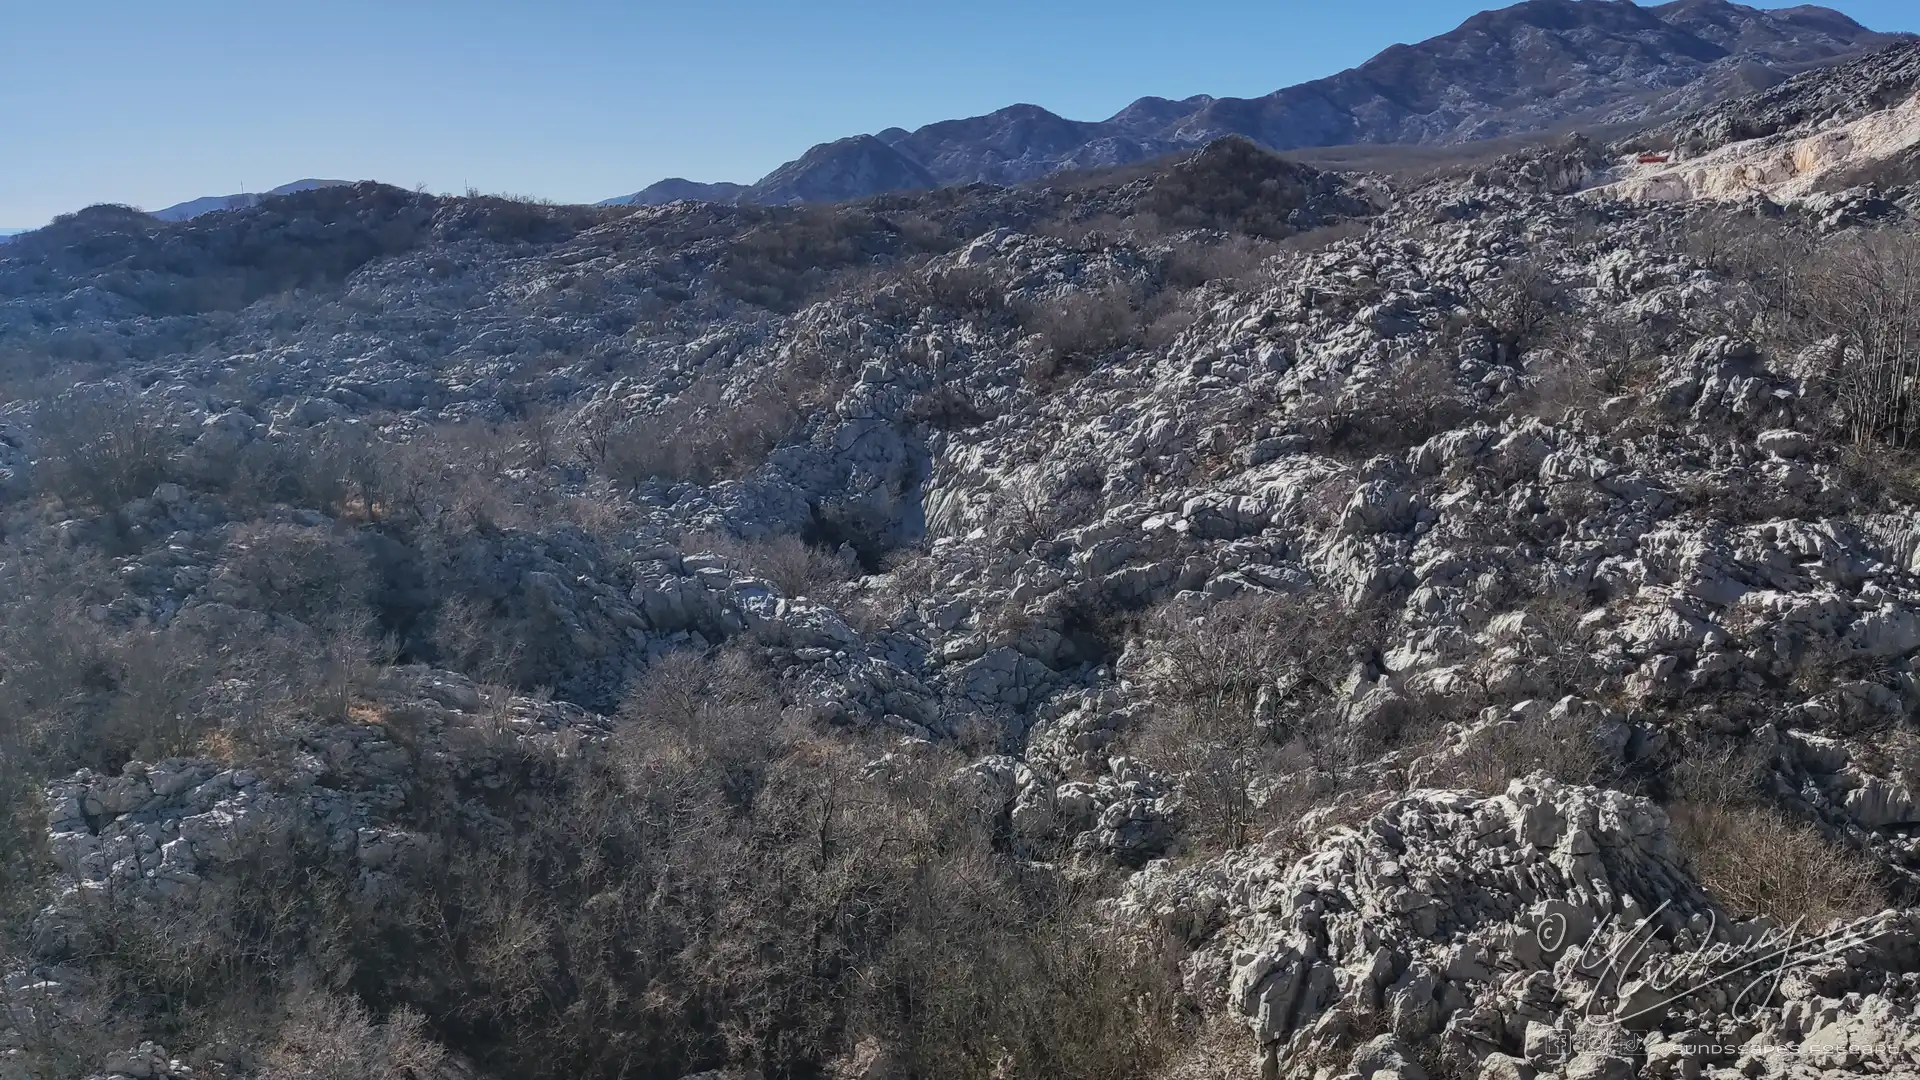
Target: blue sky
{"x":155,"y":103}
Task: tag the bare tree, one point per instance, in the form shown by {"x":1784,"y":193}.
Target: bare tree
{"x":1518,"y":302}
{"x":1866,"y":289}
{"x":1237,"y":692}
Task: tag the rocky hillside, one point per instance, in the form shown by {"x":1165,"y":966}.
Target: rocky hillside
{"x":1232,"y":620}
{"x":1531,"y":67}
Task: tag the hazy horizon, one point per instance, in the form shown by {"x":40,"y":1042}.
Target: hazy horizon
{"x":586,"y":101}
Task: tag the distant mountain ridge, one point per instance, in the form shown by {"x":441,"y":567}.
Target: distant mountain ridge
{"x":674,"y":189}
{"x":1529,"y":67}
{"x":195,"y":207}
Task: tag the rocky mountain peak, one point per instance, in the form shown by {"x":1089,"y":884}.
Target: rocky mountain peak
{"x":860,"y":163}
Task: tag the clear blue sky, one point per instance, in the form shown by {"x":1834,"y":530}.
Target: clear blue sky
{"x":155,"y":103}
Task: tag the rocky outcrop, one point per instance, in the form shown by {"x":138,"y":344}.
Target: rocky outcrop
{"x":1780,"y":167}
{"x":1549,"y":931}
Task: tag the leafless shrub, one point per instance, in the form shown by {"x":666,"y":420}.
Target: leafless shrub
{"x":1325,"y":501}
{"x":596,"y":514}
{"x":1771,"y":255}
{"x":1757,"y":862}
{"x":1619,"y":350}
{"x":1561,"y":385}
{"x":1719,"y":776}
{"x":1857,"y":289}
{"x":1235,"y":258}
{"x":906,"y":577}
{"x":1417,"y":400}
{"x":873,"y":912}
{"x":1166,"y":319}
{"x":347,"y":470}
{"x":468,"y":636}
{"x":215,"y":954}
{"x":1519,"y":302}
{"x":1031,"y":507}
{"x":328,"y":1037}
{"x":1892,"y":752}
{"x":1554,"y":646}
{"x":1236,"y":186}
{"x":1514,"y":749}
{"x":1061,"y":999}
{"x":77,"y":693}
{"x":516,"y":219}
{"x":1878,"y":472}
{"x":722,"y":885}
{"x":1084,"y":327}
{"x":795,"y":567}
{"x":715,"y":709}
{"x":913,"y":571}
{"x":638,"y":451}
{"x":946,"y":408}
{"x":1325,"y":236}
{"x":960,"y":289}
{"x":485,"y":449}
{"x":101,"y":445}
{"x":1750,"y":856}
{"x":1092,"y":233}
{"x":710,"y":431}
{"x":311,"y":574}
{"x":1866,"y":289}
{"x":797,"y":253}
{"x":539,"y":441}
{"x":1250,"y":690}
{"x":346,"y":662}
{"x":338,"y":469}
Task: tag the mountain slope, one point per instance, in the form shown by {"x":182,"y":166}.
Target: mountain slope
{"x":1222,"y":620}
{"x":1839,"y":94}
{"x":863,"y":163}
{"x":1530,"y":67}
{"x":209,"y":204}
{"x":674,"y":189}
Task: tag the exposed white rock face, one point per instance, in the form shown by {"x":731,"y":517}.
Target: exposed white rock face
{"x":1780,"y":167}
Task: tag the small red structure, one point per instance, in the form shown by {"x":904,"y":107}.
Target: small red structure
{"x":1653,"y":159}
